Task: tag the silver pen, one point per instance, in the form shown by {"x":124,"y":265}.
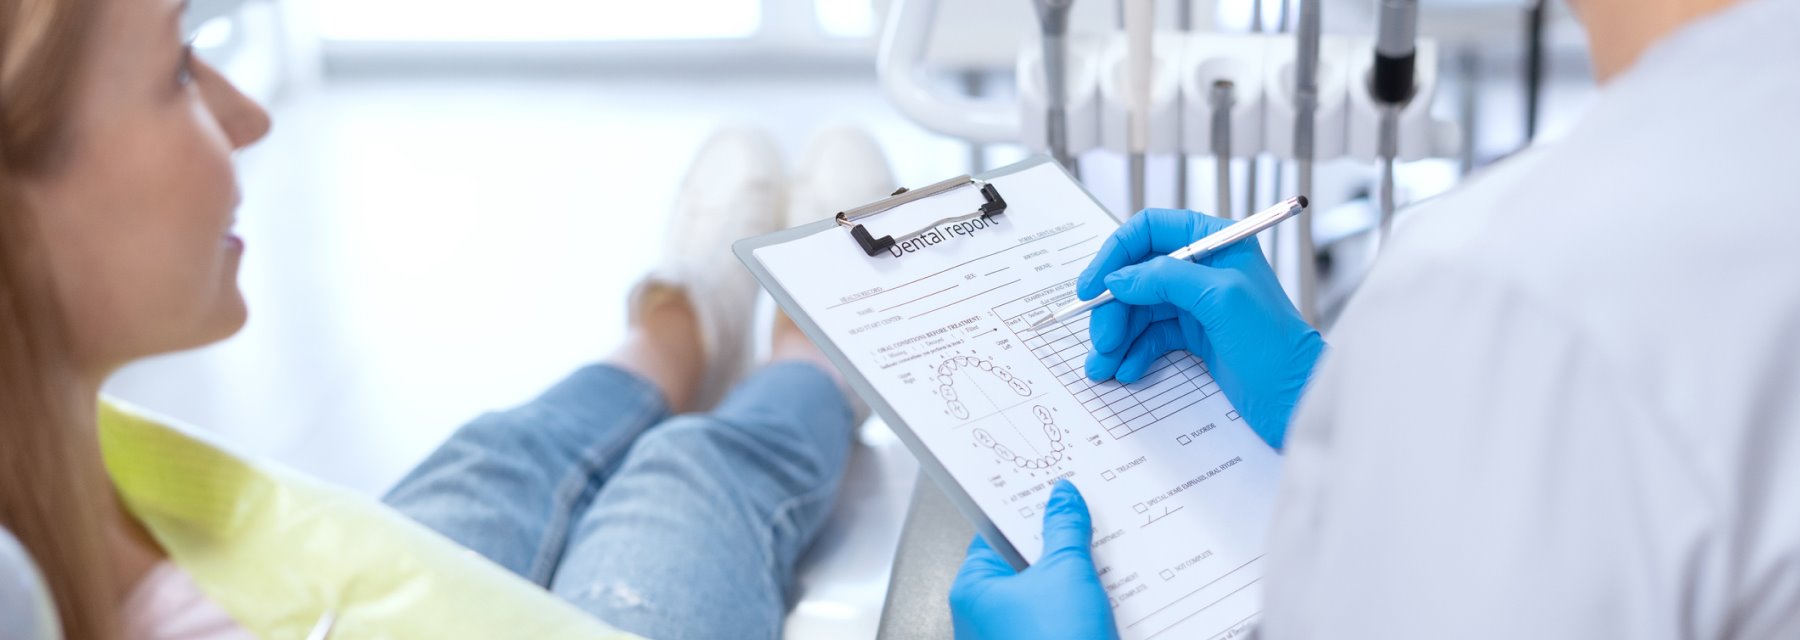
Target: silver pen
{"x":1199,"y":249}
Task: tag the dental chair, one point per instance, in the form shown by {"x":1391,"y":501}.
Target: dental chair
{"x":26,"y":612}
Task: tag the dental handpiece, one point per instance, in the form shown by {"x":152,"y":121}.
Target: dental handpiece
{"x":1391,"y":84}
{"x":1396,"y":51}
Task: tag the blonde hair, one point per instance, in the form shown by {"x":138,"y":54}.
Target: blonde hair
{"x":51,"y":494}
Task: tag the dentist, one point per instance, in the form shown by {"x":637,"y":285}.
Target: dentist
{"x":1566,"y":403}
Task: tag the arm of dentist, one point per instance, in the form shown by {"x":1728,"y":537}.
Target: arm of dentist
{"x":1228,"y":309}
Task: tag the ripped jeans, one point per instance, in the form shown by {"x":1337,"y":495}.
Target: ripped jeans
{"x":666,"y":527}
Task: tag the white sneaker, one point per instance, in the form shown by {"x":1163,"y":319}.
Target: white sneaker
{"x":843,"y":168}
{"x":735,"y":189}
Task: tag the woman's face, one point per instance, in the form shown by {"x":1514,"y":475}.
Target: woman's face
{"x":137,"y":210}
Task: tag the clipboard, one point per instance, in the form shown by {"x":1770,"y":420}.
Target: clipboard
{"x":928,"y":462}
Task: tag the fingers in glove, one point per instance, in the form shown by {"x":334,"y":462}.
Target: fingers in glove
{"x":1103,"y":365}
{"x":982,"y":569}
{"x":1110,"y":326}
{"x":1068,"y":528}
{"x":1113,"y":326}
{"x":1199,"y":290}
{"x":1150,"y":233}
{"x":1112,"y":338}
{"x":983,"y":563}
{"x":1159,"y":338}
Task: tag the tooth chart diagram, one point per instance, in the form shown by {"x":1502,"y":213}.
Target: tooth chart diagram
{"x":974,"y":388}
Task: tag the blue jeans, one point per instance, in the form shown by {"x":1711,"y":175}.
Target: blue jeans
{"x":666,"y":527}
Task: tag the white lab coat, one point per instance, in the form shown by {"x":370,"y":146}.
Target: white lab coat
{"x":26,"y":612}
{"x":1567,"y":402}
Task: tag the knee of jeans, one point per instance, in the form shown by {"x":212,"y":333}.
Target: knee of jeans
{"x":661,"y":606}
{"x":615,"y":595}
{"x":744,"y":445}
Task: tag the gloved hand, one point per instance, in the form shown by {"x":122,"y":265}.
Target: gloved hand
{"x":1059,"y":597}
{"x":1228,"y":309}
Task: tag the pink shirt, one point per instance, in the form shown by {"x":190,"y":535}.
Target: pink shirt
{"x":167,"y":605}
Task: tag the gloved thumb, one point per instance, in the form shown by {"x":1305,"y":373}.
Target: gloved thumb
{"x":1163,"y":280}
{"x":1068,"y":528}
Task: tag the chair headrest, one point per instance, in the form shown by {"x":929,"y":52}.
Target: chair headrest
{"x":25,"y":608}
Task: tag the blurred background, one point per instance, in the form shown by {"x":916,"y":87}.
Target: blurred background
{"x":457,"y":195}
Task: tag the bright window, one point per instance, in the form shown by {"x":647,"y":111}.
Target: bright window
{"x":537,"y":20}
{"x":846,"y":18}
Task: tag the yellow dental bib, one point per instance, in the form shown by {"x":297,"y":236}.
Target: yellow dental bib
{"x":277,"y":550}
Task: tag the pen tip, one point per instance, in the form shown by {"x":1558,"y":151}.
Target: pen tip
{"x":1303,"y":201}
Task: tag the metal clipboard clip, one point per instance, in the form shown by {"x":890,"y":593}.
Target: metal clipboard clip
{"x":874,"y":246}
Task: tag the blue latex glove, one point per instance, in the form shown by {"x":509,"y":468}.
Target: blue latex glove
{"x":1228,"y":309}
{"x":1059,"y":597}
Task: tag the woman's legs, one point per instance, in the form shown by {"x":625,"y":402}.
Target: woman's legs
{"x":698,"y":532}
{"x":690,"y":528}
{"x":509,"y":484}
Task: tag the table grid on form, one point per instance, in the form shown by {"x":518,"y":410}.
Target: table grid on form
{"x":1176,"y":381}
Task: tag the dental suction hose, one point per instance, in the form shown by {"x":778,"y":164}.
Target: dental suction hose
{"x":1308,"y":35}
{"x":1391,"y":83}
{"x":1222,"y":100}
{"x":1140,"y":53}
{"x":1053,"y":17}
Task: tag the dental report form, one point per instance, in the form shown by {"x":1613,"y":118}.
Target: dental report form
{"x":935,"y":334}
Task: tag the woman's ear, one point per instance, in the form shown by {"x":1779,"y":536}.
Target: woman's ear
{"x":26,"y":611}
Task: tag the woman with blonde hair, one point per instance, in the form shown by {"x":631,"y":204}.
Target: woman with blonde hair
{"x":589,"y":509}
